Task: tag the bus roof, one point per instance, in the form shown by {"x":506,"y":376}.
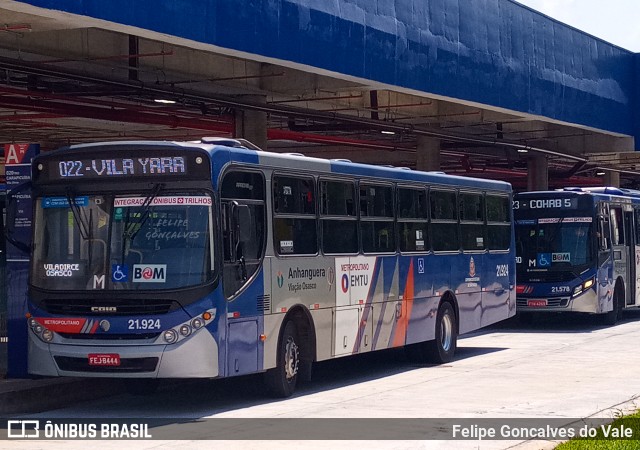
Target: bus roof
{"x":241,"y":150}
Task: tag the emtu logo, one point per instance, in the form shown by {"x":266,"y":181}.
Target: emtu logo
{"x":280,"y":279}
{"x":345,"y":283}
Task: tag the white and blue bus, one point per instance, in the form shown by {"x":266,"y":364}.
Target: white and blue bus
{"x":208,"y":259}
{"x":578,"y":250}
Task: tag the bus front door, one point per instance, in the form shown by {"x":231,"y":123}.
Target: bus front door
{"x":631,"y":281}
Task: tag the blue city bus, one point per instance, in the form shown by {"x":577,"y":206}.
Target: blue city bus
{"x":578,"y":250}
{"x":210,"y":259}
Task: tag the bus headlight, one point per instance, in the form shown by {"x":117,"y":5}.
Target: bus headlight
{"x":38,"y":329}
{"x":185,"y":330}
{"x":583,"y":287}
{"x":33,"y":323}
{"x":47,"y":335}
{"x":170,"y":336}
{"x":182,"y":331}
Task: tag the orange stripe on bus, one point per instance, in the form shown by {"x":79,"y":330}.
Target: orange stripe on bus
{"x":407,"y":305}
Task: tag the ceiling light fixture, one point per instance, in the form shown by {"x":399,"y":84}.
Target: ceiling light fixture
{"x":387,"y":132}
{"x":600,"y":173}
{"x":164,"y":101}
{"x":523,"y":150}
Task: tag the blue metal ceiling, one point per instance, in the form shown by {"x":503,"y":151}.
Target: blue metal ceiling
{"x":493,"y":52}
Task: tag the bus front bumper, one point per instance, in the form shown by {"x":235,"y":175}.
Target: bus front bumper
{"x":586,"y":302}
{"x":195,"y":357}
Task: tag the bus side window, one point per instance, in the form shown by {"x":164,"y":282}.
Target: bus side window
{"x":244,"y":229}
{"x":604,"y":233}
{"x":617,"y":226}
{"x":338,"y":219}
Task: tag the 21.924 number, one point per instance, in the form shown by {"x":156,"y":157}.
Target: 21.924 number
{"x":144,"y":324}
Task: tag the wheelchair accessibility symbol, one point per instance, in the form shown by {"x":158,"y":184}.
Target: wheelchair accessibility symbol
{"x":119,"y":273}
{"x":420,"y":265}
{"x":544,"y":259}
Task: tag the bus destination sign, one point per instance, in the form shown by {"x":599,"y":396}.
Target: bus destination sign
{"x":545,"y":203}
{"x":118,"y":167}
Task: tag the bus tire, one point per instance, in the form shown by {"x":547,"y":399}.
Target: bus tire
{"x":281,"y":380}
{"x":612,"y":317}
{"x":443,"y":347}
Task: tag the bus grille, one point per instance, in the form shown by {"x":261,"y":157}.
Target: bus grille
{"x":130,"y":365}
{"x":264,"y":303}
{"x":123,"y":307}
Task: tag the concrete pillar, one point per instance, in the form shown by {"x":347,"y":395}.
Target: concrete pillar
{"x":612,"y":178}
{"x":538,"y":173}
{"x":427,"y":153}
{"x":252,"y":125}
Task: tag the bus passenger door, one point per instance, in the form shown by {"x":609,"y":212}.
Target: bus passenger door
{"x":621,"y":249}
{"x":636,"y":254}
{"x":631,"y":280}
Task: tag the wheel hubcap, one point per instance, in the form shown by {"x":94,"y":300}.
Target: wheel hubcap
{"x":291,"y":359}
{"x":446,"y":333}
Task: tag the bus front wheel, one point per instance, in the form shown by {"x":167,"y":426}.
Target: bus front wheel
{"x":281,"y":380}
{"x":612,"y":317}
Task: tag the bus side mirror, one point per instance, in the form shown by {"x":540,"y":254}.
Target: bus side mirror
{"x":13,"y":203}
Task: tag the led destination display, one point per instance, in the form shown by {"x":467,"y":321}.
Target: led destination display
{"x":133,"y":164}
{"x":115,"y":167}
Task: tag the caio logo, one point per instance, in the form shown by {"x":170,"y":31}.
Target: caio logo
{"x":149,"y":273}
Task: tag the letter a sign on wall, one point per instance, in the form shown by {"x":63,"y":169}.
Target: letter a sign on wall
{"x":18,"y":171}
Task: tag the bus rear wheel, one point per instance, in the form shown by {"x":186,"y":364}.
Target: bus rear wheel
{"x":443,"y":347}
{"x":281,"y":380}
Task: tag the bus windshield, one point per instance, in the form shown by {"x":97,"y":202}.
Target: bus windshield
{"x":554,"y":244}
{"x":133,"y":242}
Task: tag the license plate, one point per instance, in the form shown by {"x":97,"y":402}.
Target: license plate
{"x":536,"y":303}
{"x":104,"y":359}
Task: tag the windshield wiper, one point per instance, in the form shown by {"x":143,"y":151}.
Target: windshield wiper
{"x":84,"y":227}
